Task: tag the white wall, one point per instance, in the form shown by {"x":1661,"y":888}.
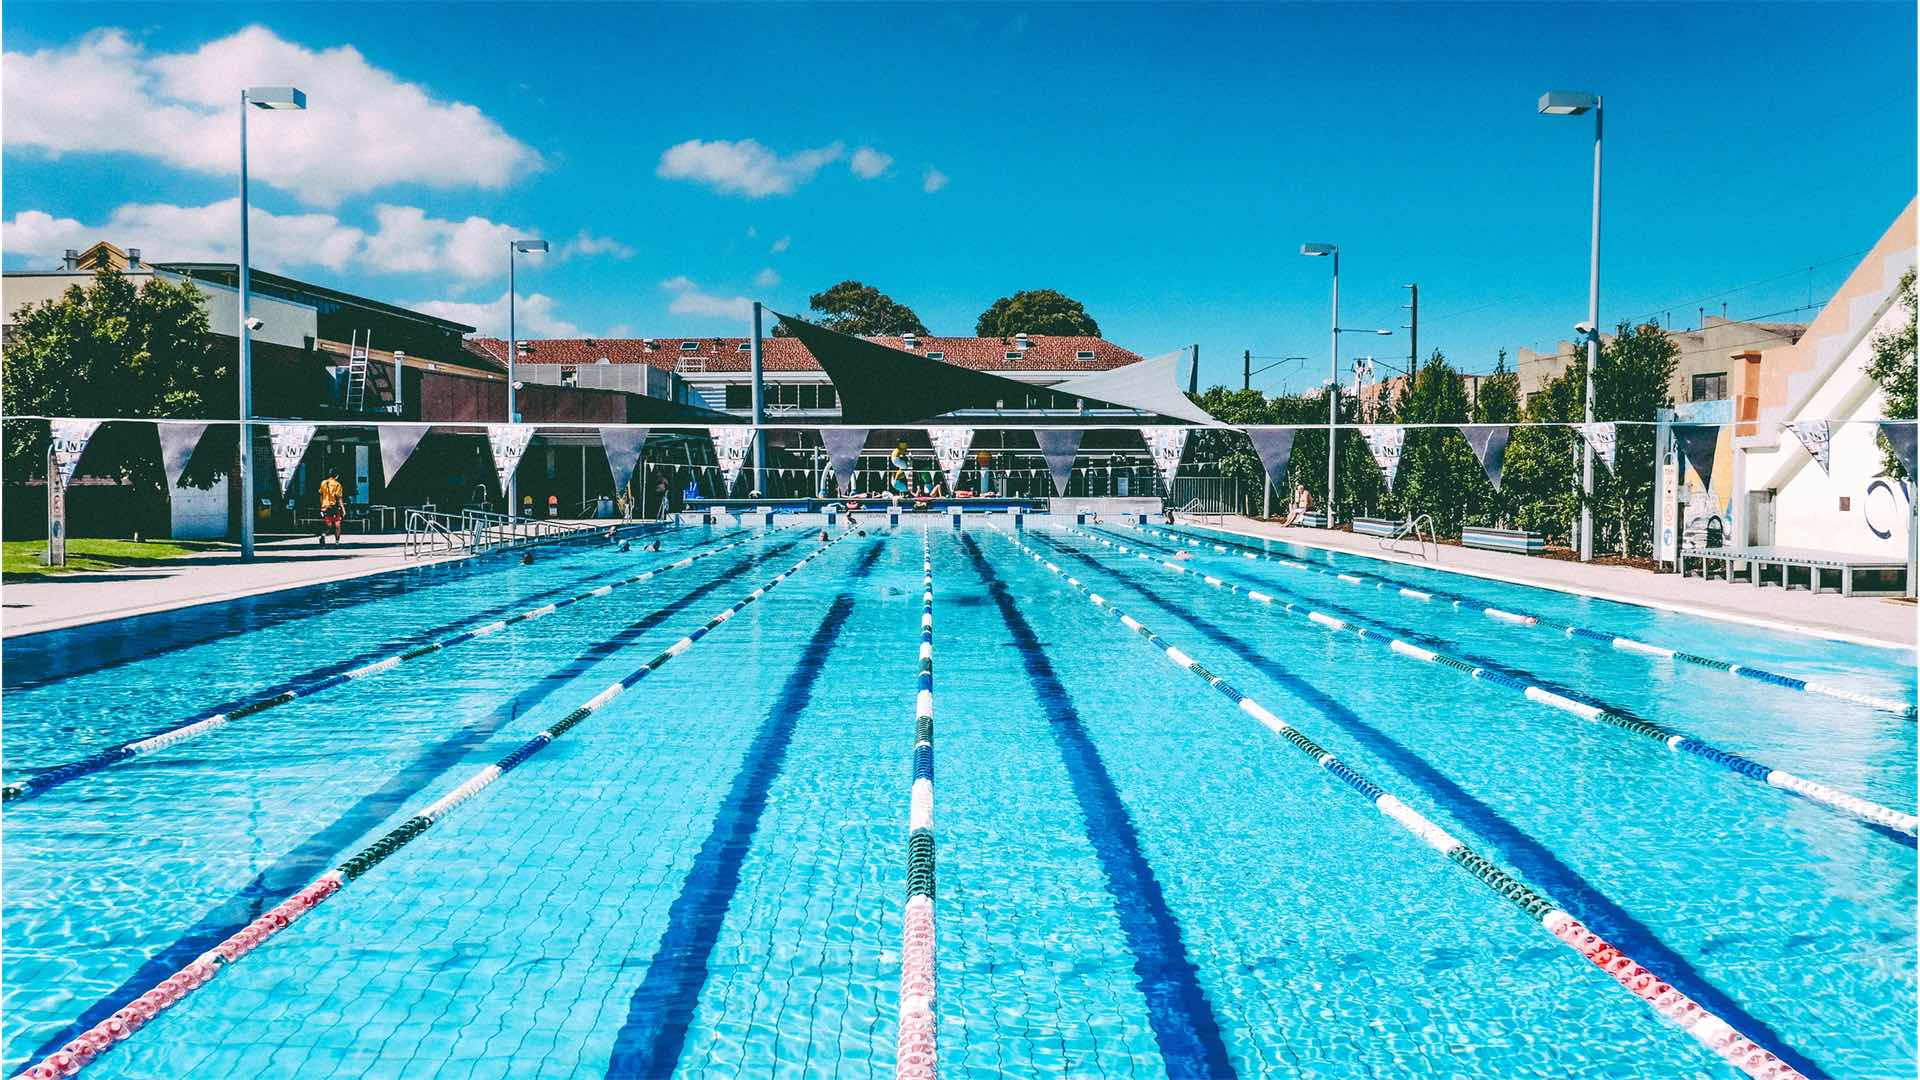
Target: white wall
{"x":199,"y":515}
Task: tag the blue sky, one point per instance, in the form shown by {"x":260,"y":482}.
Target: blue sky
{"x":1160,"y":163}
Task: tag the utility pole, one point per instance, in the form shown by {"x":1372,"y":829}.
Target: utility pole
{"x":1193,"y":378}
{"x":1413,"y":330}
{"x":1246,"y":370}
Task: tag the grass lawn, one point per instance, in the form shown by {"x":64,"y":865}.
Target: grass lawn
{"x":22,"y":557}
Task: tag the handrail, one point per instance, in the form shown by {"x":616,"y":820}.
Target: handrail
{"x":433,"y":532}
{"x":1422,"y":537}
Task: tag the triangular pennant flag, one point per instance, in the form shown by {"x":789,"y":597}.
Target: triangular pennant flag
{"x":1603,"y":436}
{"x":289,"y":442}
{"x":1899,"y":435}
{"x":1274,"y":446}
{"x":1817,"y":437}
{"x":950,"y":449}
{"x":177,"y":443}
{"x":1059,"y":446}
{"x":1698,"y":445}
{"x":1386,"y":442}
{"x":1489,"y":444}
{"x":69,"y":443}
{"x":623,"y":446}
{"x":843,"y":452}
{"x":509,"y":444}
{"x":397,"y":443}
{"x":730,"y":445}
{"x":1164,"y":444}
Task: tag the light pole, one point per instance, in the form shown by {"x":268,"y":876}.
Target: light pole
{"x":260,"y":97}
{"x":1573,"y":103}
{"x":1333,"y":370}
{"x":514,"y":247}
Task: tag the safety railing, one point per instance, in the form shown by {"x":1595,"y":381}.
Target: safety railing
{"x":1424,"y":537}
{"x":432,"y":533}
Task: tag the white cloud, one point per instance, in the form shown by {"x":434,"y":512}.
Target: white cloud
{"x":167,"y":233}
{"x":781,"y":244}
{"x":533,"y":316}
{"x":744,"y":167}
{"x":690,"y":299}
{"x":868,"y":163}
{"x":586,"y":244}
{"x":934,"y":180}
{"x":410,"y":242}
{"x":364,"y":127}
{"x":767,"y":278}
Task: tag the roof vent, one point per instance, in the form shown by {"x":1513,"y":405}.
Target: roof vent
{"x":647,"y":344}
{"x":70,"y":260}
{"x":1020,"y":341}
{"x":604,"y":360}
{"x":133,"y":258}
{"x":910,"y":340}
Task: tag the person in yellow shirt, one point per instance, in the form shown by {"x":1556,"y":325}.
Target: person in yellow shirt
{"x":333,"y":507}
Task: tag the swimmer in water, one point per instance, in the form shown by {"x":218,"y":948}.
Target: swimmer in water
{"x":626,"y":545}
{"x":1182,"y":556}
{"x":655,"y":546}
{"x":823,"y":534}
{"x":527,"y":559}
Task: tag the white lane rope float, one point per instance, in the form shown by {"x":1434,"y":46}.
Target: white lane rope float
{"x":85,"y":1048}
{"x":50,"y":778}
{"x":916,"y":1056}
{"x":1679,"y":741}
{"x":1682,"y":1011}
{"x":1582,"y":634}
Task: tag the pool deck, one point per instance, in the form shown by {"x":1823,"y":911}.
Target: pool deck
{"x":90,"y":596}
{"x":1889,"y":623}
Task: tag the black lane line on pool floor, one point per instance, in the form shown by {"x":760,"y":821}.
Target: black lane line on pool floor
{"x":1177,"y":1008}
{"x":49,"y":777}
{"x":323,"y":849}
{"x":1527,"y":855}
{"x":31,"y":658}
{"x":661,"y":1010}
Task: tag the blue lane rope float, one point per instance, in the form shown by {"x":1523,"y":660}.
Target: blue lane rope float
{"x":1582,"y":634}
{"x":916,"y":1056}
{"x":1345,"y":621}
{"x":87,"y":1047}
{"x":48,"y":779}
{"x":1704,"y":1027}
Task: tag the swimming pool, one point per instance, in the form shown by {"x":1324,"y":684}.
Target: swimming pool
{"x":709,"y":870}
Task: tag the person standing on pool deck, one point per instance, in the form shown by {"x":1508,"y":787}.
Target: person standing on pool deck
{"x":333,"y":507}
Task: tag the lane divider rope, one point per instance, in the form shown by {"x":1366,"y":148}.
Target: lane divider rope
{"x":1582,"y":634}
{"x":48,"y":779}
{"x":916,"y":1055}
{"x":1707,"y":1029}
{"x":1346,"y":621}
{"x":89,"y":1045}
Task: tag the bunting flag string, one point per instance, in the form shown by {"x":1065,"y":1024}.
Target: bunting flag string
{"x":1059,"y":446}
{"x":1604,"y":437}
{"x":623,"y":446}
{"x":1900,"y":435}
{"x":289,"y":443}
{"x":950,"y":449}
{"x":1817,"y":437}
{"x":1164,"y":445}
{"x":1386,"y":442}
{"x":509,"y":444}
{"x":1275,"y":448}
{"x":730,"y":444}
{"x":1699,"y":444}
{"x":843,"y":453}
{"x":177,"y":444}
{"x":397,"y":444}
{"x":1489,"y":445}
{"x":69,"y":444}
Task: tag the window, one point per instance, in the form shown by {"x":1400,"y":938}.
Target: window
{"x":936,"y":356}
{"x":1083,"y":354}
{"x":1710,"y":387}
{"x":1013,"y":354}
{"x":828,"y":399}
{"x":739,"y":396}
{"x":746,"y":346}
{"x":689,"y":346}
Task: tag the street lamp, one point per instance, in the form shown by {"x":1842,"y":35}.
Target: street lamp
{"x":260,"y":97}
{"x":1574,"y":103}
{"x":1333,"y":366}
{"x":514,"y":247}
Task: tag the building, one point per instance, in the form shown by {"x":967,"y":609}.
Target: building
{"x":716,"y":371}
{"x":1703,"y":371}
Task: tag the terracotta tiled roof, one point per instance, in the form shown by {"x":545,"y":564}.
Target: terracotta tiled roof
{"x":1043,"y":353}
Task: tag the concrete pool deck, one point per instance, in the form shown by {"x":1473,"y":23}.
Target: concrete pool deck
{"x":1888,"y":623}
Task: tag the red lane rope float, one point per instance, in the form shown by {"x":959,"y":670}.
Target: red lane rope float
{"x":89,"y":1045}
{"x":1582,"y":634}
{"x":1678,"y":741}
{"x":916,"y":1056}
{"x":55,"y":776}
{"x":1707,"y":1029}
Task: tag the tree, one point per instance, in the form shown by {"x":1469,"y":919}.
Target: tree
{"x":1036,"y":311}
{"x":1892,"y":367}
{"x":1438,"y":474}
{"x":855,"y":308}
{"x":1497,"y":402}
{"x":1631,"y":384}
{"x":109,"y":349}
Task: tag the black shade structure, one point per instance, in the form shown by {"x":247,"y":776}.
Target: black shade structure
{"x":880,"y":385}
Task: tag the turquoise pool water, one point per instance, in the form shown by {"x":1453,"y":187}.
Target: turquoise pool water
{"x":706,"y":876}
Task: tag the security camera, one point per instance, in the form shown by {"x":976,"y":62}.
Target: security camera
{"x":518,"y":385}
{"x":1583,"y":328}
{"x":255,"y":322}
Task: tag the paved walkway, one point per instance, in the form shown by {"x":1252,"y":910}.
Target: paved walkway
{"x":1863,"y":619}
{"x":87,"y":596}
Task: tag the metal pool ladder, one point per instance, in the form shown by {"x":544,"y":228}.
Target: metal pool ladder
{"x":1423,"y":538}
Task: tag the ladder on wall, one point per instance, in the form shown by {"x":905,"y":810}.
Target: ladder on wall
{"x":357,"y":372}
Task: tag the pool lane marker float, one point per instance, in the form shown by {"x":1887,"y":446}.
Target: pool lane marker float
{"x":50,"y":778}
{"x":1581,"y":634}
{"x":89,"y":1045}
{"x":1682,"y":1011}
{"x":916,"y":1057}
{"x":1867,"y":811}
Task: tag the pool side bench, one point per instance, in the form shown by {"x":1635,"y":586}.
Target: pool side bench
{"x":1518,"y":541}
{"x":1884,"y":576}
